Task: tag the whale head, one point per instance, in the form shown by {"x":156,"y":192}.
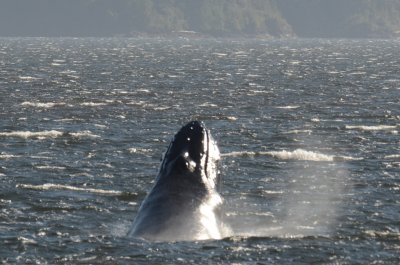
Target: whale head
{"x":193,"y":154}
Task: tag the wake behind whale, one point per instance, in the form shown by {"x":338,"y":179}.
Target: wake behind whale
{"x":184,"y":203}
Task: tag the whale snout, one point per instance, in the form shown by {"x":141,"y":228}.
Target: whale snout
{"x":188,"y":150}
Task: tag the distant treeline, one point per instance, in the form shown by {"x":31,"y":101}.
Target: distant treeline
{"x":277,"y":18}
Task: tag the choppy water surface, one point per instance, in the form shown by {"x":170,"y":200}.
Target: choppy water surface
{"x":309,"y":132}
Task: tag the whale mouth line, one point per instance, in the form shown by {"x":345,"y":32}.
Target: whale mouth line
{"x":207,"y":152}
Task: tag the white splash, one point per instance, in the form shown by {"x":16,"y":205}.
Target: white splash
{"x":208,"y":219}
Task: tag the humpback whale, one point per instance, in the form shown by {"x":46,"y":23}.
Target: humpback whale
{"x":184,"y":203}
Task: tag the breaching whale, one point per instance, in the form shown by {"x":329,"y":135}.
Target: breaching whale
{"x":184,"y":203}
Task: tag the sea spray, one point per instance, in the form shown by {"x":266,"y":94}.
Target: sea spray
{"x":307,"y":205}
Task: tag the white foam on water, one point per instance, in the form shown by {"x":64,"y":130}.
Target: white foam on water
{"x":298,"y":154}
{"x":93,"y":104}
{"x":299,"y":131}
{"x":120,"y":229}
{"x":50,"y":167}
{"x":6,"y":156}
{"x":372,"y":128}
{"x":41,"y":104}
{"x":51,"y":186}
{"x":288,"y":107}
{"x":27,"y":241}
{"x":28,"y":78}
{"x":68,"y":120}
{"x":134,"y":150}
{"x":47,"y":134}
{"x":82,"y":134}
{"x":392,"y":156}
{"x":29,"y":134}
{"x":389,"y":232}
{"x":231,"y":118}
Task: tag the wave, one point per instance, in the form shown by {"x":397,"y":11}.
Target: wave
{"x":299,"y":132}
{"x":93,"y":104}
{"x":41,"y":104}
{"x":392,"y":156}
{"x":51,"y":186}
{"x":6,"y":156}
{"x":29,"y":134}
{"x":288,"y":107}
{"x":28,"y":78}
{"x":54,"y":104}
{"x":372,"y":128}
{"x":81,"y":134}
{"x":50,"y":167}
{"x":47,"y":134}
{"x":134,"y":150}
{"x":298,"y":154}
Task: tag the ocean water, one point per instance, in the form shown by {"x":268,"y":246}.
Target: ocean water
{"x":308,"y":131}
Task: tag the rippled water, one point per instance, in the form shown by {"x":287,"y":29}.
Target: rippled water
{"x":308,"y":130}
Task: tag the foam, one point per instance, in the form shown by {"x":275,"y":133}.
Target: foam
{"x":134,"y":150}
{"x":41,"y":104}
{"x":299,"y":132}
{"x":81,"y":134}
{"x":298,"y":154}
{"x":392,"y":156}
{"x":29,"y":134}
{"x":51,"y":186}
{"x":28,"y":78}
{"x":50,"y":167}
{"x":372,"y":128}
{"x":6,"y":156}
{"x":93,"y":104}
{"x":47,"y":134}
{"x":288,"y":107}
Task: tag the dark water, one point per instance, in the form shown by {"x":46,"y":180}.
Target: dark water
{"x":309,"y":132}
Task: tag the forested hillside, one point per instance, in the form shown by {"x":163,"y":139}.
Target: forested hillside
{"x":342,"y":18}
{"x":277,"y":18}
